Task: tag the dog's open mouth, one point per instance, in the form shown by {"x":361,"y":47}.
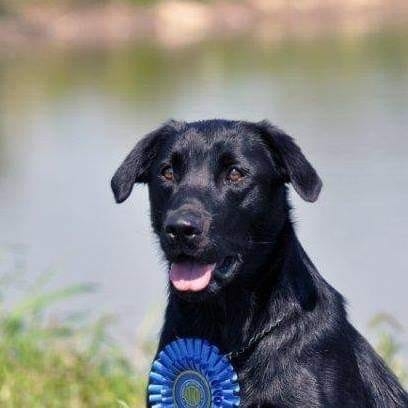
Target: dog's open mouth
{"x":192,"y":276}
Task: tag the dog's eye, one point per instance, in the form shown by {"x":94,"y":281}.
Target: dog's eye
{"x":167,"y":173}
{"x":234,"y":175}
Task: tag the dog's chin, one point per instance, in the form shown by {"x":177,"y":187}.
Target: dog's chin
{"x":195,"y":281}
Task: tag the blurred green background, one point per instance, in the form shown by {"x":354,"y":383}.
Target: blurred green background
{"x":82,"y":283}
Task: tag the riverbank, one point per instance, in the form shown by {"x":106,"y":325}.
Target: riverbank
{"x":177,"y":23}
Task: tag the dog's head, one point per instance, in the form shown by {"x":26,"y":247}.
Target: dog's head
{"x":218,"y":196}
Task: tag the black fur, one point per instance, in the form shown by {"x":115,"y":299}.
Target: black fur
{"x":313,"y":357}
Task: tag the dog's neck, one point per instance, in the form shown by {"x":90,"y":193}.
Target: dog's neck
{"x":248,"y":304}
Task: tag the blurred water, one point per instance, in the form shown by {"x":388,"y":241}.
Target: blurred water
{"x":67,"y":119}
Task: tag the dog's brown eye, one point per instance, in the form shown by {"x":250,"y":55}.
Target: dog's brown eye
{"x":234,"y":175}
{"x":167,"y":173}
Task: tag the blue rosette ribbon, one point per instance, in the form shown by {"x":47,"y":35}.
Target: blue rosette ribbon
{"x":192,"y":373}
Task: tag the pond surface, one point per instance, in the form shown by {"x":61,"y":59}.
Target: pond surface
{"x":67,"y":119}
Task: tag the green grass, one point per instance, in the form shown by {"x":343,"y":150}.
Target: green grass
{"x":68,"y":363}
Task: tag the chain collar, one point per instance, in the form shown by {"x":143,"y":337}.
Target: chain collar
{"x":252,"y":341}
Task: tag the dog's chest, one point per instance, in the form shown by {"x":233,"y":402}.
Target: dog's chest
{"x":266,"y":381}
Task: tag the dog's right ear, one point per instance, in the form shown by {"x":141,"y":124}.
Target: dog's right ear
{"x":135,"y":168}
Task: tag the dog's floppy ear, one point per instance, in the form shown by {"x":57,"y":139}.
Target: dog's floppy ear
{"x":295,"y":168}
{"x":135,"y":168}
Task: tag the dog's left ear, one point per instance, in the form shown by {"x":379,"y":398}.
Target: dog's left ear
{"x":136,"y":166}
{"x":295,"y":168}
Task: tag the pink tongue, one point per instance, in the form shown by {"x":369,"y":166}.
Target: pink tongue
{"x":190,"y":276}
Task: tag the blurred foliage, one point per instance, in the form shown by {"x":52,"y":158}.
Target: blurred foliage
{"x":68,"y":363}
{"x":152,"y":77}
{"x":388,"y":331}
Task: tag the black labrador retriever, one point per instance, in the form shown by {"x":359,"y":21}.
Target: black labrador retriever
{"x":239,"y":276}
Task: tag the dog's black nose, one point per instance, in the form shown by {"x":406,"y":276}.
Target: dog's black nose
{"x":184,"y":226}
